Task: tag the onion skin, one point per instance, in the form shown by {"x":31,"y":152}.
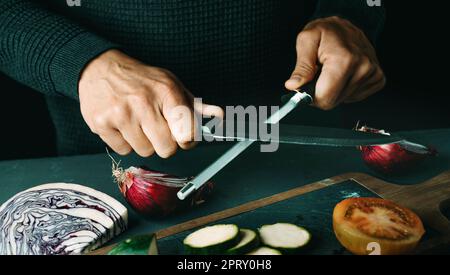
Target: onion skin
{"x":154,"y":194}
{"x":395,"y":158}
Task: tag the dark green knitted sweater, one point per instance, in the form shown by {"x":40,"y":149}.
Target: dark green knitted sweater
{"x":228,"y":52}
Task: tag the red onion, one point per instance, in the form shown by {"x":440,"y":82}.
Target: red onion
{"x":154,"y":194}
{"x":393,"y":158}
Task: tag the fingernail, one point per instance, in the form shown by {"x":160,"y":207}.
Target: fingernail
{"x":294,"y":81}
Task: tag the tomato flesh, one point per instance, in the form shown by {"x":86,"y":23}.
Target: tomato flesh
{"x":359,"y":222}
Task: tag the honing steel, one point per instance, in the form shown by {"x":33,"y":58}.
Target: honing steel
{"x":300,"y":135}
{"x":304,"y":96}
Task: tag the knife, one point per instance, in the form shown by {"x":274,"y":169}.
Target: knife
{"x":306,"y":135}
{"x":303,"y":96}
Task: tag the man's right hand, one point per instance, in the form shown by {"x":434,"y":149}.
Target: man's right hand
{"x":133,"y":106}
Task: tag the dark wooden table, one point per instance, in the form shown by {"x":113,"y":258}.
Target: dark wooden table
{"x":253,"y":175}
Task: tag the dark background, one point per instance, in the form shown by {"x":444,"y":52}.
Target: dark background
{"x":413,"y":51}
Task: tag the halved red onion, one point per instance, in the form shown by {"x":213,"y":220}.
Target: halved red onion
{"x":393,"y":158}
{"x":153,"y":193}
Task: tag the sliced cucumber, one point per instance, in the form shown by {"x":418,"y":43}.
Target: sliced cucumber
{"x":211,"y":240}
{"x":248,"y":241}
{"x":286,"y":237}
{"x":140,"y":245}
{"x":264,"y":251}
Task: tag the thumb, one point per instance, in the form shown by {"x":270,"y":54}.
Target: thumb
{"x":307,"y":55}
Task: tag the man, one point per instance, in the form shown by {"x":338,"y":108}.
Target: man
{"x":128,"y":64}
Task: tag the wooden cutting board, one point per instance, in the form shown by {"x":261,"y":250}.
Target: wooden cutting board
{"x":427,"y":199}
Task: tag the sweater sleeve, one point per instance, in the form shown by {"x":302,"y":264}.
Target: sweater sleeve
{"x":369,"y":19}
{"x":43,"y":50}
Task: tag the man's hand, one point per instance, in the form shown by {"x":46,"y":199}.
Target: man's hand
{"x":350,"y":71}
{"x":132,"y":106}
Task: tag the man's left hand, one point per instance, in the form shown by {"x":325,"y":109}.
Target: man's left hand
{"x":350,"y":70}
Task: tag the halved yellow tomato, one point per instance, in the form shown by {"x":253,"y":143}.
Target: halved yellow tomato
{"x":363,"y":224}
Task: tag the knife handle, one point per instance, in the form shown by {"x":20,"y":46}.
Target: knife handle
{"x":309,"y":88}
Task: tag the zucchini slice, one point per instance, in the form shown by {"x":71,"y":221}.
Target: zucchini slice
{"x":212,"y":240}
{"x":285,"y":237}
{"x":248,"y":241}
{"x":264,"y":251}
{"x":140,"y":245}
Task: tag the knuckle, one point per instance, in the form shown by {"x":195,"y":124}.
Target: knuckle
{"x":123,"y":150}
{"x":305,"y":35}
{"x":347,"y":60}
{"x":120,"y":114}
{"x":119,"y":109}
{"x":187,"y":145}
{"x":139,"y":102}
{"x":182,"y":130}
{"x":344,"y":53}
{"x":326,"y":104}
{"x":380,"y":74}
{"x":142,"y":90}
{"x":365,"y":61}
{"x":93,"y":130}
{"x":348,"y":57}
{"x":335,"y":17}
{"x":92,"y":126}
{"x":166,"y":74}
{"x":319,"y":25}
{"x":120,"y":147}
{"x":366,"y":66}
{"x":168,"y":151}
{"x":100,"y":124}
{"x":168,"y":91}
{"x":343,"y":21}
{"x":185,"y":137}
{"x":145,"y":152}
{"x":341,"y":57}
{"x":166,"y":86}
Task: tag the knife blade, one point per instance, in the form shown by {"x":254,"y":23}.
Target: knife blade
{"x":305,"y":96}
{"x":306,"y":135}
